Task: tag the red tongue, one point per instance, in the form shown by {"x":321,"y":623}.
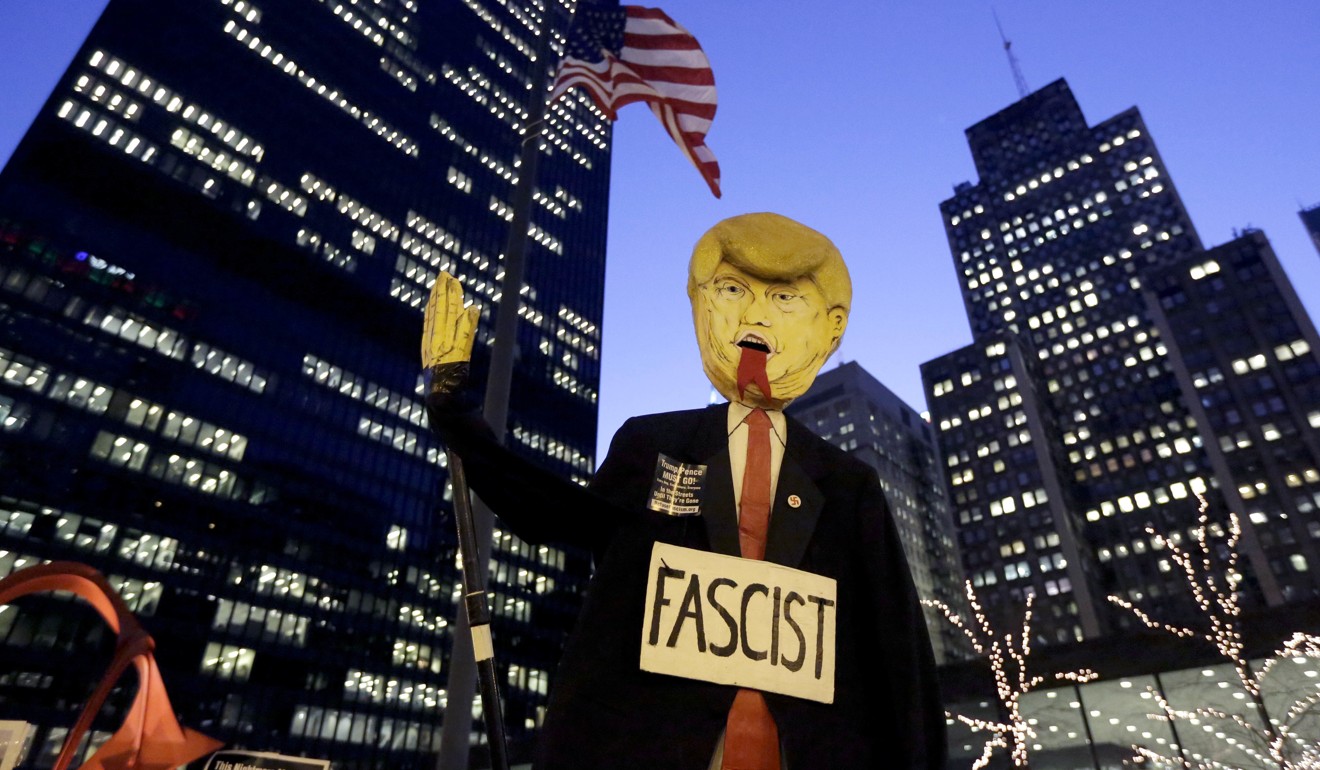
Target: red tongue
{"x":751,"y":369}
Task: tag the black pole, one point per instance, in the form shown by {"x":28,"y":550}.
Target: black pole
{"x":478,"y":519}
{"x":474,"y":520}
{"x":477,"y":611}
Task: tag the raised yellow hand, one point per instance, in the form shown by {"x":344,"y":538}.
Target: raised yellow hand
{"x":448,"y":328}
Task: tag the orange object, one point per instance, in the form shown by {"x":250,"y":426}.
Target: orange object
{"x":151,"y":737}
{"x":754,"y":505}
{"x":751,"y":739}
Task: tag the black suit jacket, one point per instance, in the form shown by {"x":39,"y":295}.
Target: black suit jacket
{"x":606,"y":713}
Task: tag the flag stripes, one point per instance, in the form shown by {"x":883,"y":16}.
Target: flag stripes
{"x":658,"y":62}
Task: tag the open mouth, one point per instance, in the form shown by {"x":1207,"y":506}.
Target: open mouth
{"x":753,"y":342}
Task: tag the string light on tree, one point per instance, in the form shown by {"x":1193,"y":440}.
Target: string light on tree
{"x":1008,"y":666}
{"x":1270,"y":742}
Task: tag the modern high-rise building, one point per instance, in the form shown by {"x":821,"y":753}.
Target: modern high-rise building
{"x":1074,"y":420}
{"x":1241,"y":341}
{"x":215,"y":244}
{"x":1311,"y":221}
{"x":850,"y":408}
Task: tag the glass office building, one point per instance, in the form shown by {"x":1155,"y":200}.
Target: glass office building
{"x":1310,"y":217}
{"x":215,"y":243}
{"x":1242,"y":342}
{"x":1096,"y":725}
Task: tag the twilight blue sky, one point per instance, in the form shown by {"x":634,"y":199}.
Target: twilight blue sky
{"x":849,"y":116}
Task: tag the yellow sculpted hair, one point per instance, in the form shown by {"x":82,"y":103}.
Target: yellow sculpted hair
{"x":773,"y":248}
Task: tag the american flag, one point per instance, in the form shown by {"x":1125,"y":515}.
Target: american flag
{"x":626,"y":54}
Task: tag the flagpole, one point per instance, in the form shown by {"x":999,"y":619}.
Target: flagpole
{"x":475,"y":521}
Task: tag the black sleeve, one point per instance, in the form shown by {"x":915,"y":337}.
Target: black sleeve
{"x":911,"y":680}
{"x":534,"y":503}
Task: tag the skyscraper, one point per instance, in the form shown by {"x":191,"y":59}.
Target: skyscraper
{"x":849,"y":407}
{"x":215,"y":242}
{"x":1066,"y":425}
{"x":1311,"y":221}
{"x":1242,"y":343}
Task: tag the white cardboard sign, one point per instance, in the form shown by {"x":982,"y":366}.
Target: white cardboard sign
{"x":741,"y":622}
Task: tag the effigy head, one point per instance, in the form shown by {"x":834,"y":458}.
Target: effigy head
{"x":770,"y":300}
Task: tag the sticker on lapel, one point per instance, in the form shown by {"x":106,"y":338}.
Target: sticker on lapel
{"x":676,"y":489}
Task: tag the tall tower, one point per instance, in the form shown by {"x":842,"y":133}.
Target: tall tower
{"x":1066,"y":426}
{"x":1241,"y":341}
{"x":1311,"y":221}
{"x":215,"y":242}
{"x":849,"y":407}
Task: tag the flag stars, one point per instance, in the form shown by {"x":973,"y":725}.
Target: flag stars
{"x":662,"y":65}
{"x":596,"y":30}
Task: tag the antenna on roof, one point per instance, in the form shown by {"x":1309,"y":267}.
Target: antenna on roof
{"x":1020,"y":81}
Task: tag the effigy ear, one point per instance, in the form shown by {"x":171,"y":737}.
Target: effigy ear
{"x":151,"y":737}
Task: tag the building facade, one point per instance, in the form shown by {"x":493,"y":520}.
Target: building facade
{"x":215,"y":244}
{"x":1073,"y":423}
{"x":850,"y":408}
{"x":1241,"y":341}
{"x":1311,"y":221}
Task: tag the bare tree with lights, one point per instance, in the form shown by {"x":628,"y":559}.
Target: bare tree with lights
{"x":1271,"y":742}
{"x":1008,"y":664}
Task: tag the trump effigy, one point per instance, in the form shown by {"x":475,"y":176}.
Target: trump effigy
{"x":751,"y":606}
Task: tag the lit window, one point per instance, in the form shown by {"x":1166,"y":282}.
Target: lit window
{"x":228,"y":662}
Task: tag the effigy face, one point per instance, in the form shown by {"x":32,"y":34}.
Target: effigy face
{"x":738,"y":314}
{"x":764,"y":323}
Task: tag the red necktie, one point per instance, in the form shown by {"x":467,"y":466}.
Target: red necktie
{"x":751,"y":740}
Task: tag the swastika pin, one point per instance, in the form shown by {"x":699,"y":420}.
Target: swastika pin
{"x":794,"y":501}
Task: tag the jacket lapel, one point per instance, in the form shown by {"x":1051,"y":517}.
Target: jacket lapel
{"x":719,"y":509}
{"x":791,"y":527}
{"x":709,"y":444}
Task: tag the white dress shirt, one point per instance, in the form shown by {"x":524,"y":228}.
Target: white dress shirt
{"x":738,"y":431}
